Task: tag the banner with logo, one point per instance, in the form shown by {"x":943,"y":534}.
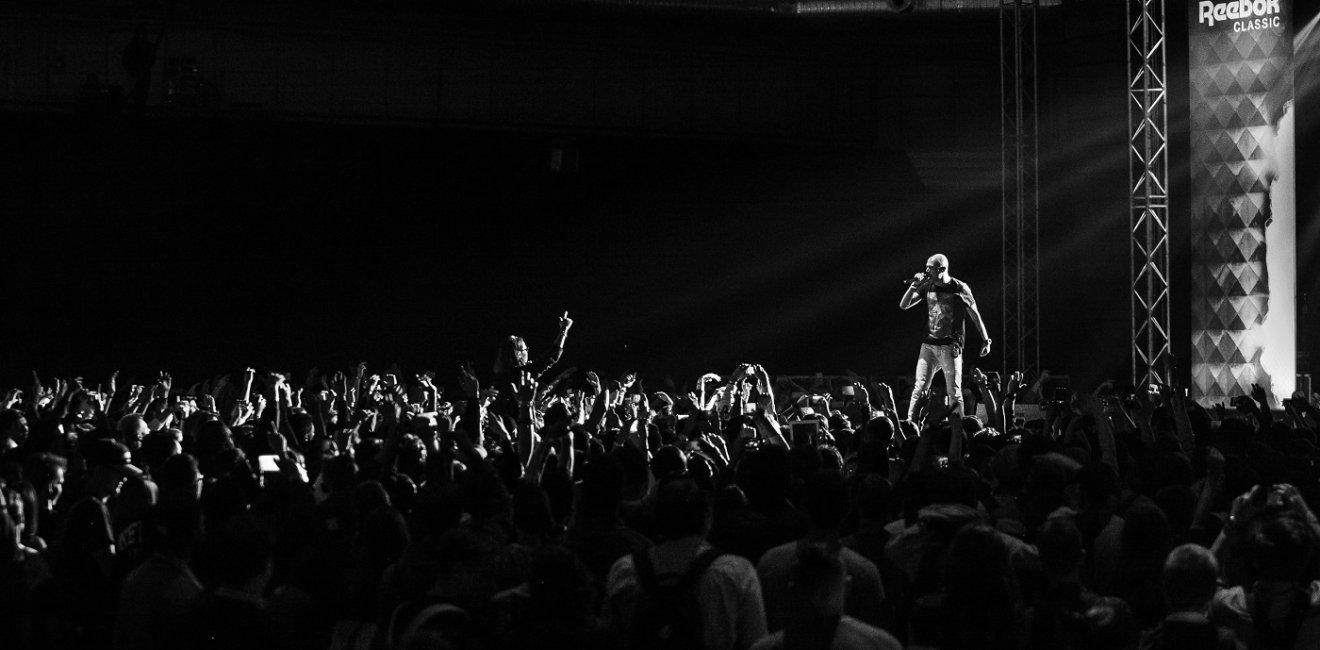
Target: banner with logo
{"x":1243,"y":199}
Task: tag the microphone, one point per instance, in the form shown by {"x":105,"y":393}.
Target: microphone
{"x":914,"y":280}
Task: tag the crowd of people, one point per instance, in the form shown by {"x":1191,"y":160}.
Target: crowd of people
{"x":520,"y":508}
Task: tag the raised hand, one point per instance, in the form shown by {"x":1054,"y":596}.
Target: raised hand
{"x":716,"y":441}
{"x":979,"y":377}
{"x":695,"y":401}
{"x":922,"y":400}
{"x":718,"y":451}
{"x":44,"y":396}
{"x":488,"y":396}
{"x":593,"y":380}
{"x":743,"y":370}
{"x":12,"y":397}
{"x":1303,"y":407}
{"x":467,"y":381}
{"x":1244,"y":404}
{"x":240,"y":412}
{"x":185,"y":408}
{"x":1221,"y":411}
{"x":97,"y":400}
{"x":1014,"y":384}
{"x":280,"y":389}
{"x":565,"y":322}
{"x":886,"y":396}
{"x":1261,"y":396}
{"x":426,"y":380}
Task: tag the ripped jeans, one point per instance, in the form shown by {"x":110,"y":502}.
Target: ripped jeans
{"x":939,"y":357}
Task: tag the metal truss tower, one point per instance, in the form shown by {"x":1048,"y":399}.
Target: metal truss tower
{"x":1148,"y":182}
{"x":1020,"y":341}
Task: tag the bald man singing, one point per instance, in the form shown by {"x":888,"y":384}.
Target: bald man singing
{"x":949,"y":302}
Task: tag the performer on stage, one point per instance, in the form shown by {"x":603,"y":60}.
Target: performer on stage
{"x":948,"y":302}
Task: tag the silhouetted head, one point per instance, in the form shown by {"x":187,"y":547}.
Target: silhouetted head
{"x":1190,"y":578}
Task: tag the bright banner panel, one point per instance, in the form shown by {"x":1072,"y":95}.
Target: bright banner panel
{"x":1243,"y":199}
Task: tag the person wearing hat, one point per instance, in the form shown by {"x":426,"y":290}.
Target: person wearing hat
{"x":84,"y":560}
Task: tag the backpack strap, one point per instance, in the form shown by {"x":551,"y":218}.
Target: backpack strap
{"x":649,"y":582}
{"x":418,"y":618}
{"x":698,"y":568}
{"x":423,"y":617}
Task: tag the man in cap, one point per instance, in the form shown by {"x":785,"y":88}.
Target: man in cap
{"x":84,"y":559}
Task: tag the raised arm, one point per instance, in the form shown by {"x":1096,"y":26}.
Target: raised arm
{"x":916,"y":286}
{"x":990,"y":395}
{"x":1182,"y":423}
{"x":564,"y":323}
{"x":768,"y":426}
{"x":766,"y":397}
{"x":552,"y":356}
{"x":1262,"y":399}
{"x":599,"y":403}
{"x":525,"y":388}
{"x":1104,"y":431}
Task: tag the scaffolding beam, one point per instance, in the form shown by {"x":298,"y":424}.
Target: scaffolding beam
{"x":1148,"y":176}
{"x":1020,"y":342}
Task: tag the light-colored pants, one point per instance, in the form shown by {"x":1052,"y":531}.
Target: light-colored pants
{"x":938,"y":357}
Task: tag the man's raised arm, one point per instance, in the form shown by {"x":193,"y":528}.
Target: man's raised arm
{"x":912,"y":296}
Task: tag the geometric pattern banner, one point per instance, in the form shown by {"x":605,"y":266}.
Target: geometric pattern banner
{"x":1241,"y":87}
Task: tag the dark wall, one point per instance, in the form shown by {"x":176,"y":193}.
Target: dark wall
{"x":214,"y":244}
{"x":205,"y":244}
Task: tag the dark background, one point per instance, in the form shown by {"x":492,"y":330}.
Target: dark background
{"x":201,"y":242}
